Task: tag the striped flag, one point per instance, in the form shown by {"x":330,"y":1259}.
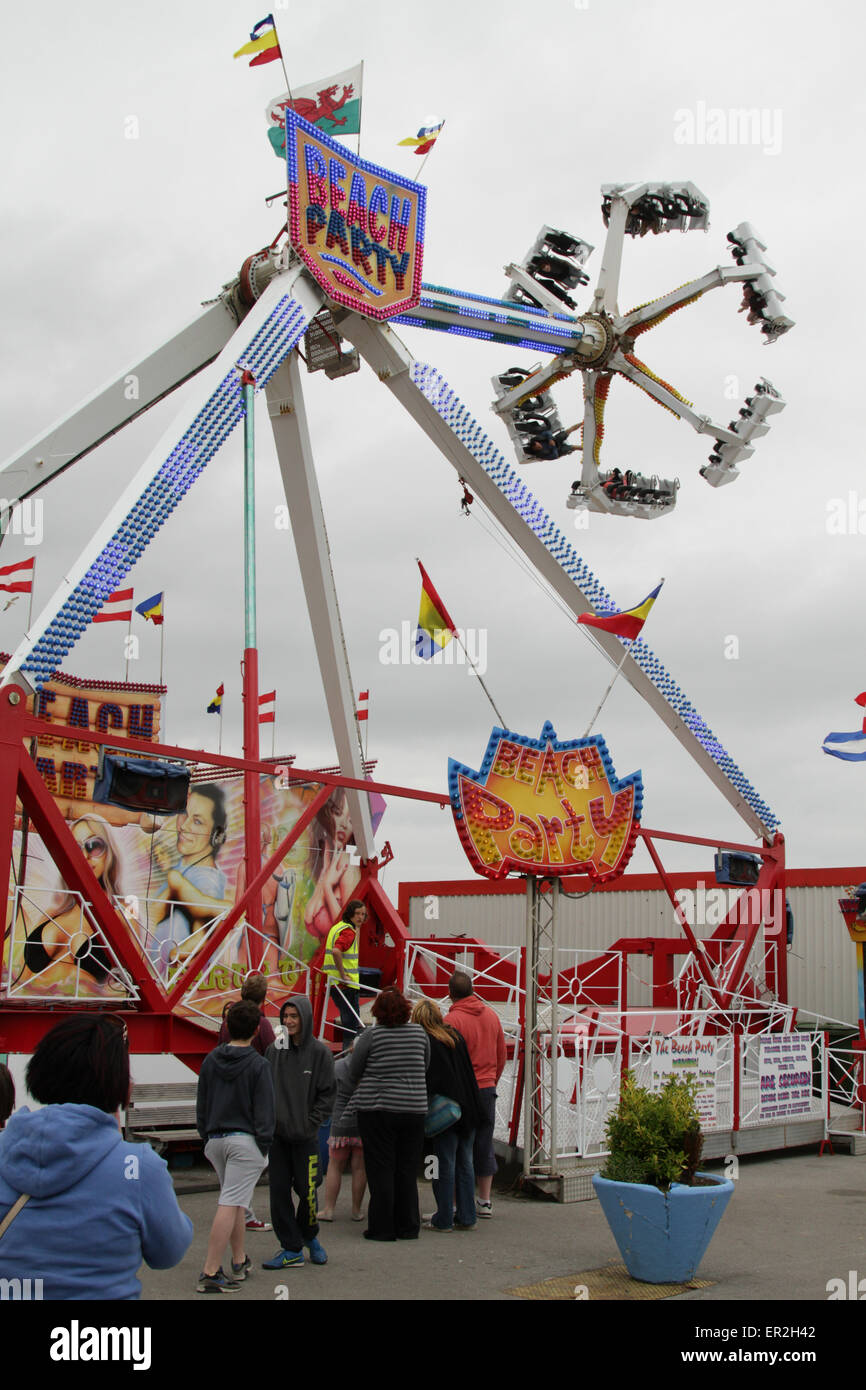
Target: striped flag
{"x":216,"y":704}
{"x":269,"y":715}
{"x":363,"y":712}
{"x":265,"y":45}
{"x":435,"y":628}
{"x":151,"y":609}
{"x":117,"y":608}
{"x":18,"y":579}
{"x":426,"y":137}
{"x":628,"y":623}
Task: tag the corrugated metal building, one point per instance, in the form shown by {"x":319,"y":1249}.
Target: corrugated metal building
{"x":822,"y":976}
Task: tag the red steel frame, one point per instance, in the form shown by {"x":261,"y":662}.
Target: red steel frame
{"x":153,"y":1026}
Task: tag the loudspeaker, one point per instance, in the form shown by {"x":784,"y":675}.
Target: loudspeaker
{"x":139,"y":784}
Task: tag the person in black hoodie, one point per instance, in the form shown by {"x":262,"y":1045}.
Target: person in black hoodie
{"x":450,"y":1074}
{"x":305,"y":1090}
{"x":235,"y":1117}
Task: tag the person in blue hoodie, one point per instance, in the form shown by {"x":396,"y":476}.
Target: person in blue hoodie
{"x":89,"y":1207}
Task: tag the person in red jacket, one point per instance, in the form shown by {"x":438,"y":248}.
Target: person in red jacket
{"x":482,"y":1032}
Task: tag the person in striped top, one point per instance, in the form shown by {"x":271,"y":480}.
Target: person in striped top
{"x":389,"y":1068}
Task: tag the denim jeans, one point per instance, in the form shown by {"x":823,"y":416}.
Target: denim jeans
{"x":456,"y":1178}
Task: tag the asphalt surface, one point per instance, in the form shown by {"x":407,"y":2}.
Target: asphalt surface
{"x":794,"y":1223}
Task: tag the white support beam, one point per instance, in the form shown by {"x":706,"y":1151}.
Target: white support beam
{"x":393,"y":363}
{"x":113,"y":406}
{"x":295,"y":455}
{"x":270,"y":330}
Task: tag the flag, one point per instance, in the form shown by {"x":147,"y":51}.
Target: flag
{"x":362,"y":712}
{"x":333,"y":104}
{"x":625,"y":624}
{"x":14,"y":579}
{"x":265,"y":46}
{"x":270,"y":715}
{"x":151,"y":610}
{"x":857,"y":736}
{"x":426,"y":137}
{"x":216,"y":704}
{"x":435,"y":628}
{"x":117,"y":608}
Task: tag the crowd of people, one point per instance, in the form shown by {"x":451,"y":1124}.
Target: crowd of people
{"x":416,"y":1089}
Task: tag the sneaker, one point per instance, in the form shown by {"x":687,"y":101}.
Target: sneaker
{"x":216,"y":1283}
{"x":317,"y":1254}
{"x":483,"y":1208}
{"x":255,"y":1225}
{"x":431,"y":1226}
{"x":243,"y":1270}
{"x":285,"y":1259}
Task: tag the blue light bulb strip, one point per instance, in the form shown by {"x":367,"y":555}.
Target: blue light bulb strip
{"x":448,"y":406}
{"x":270,"y":346}
{"x":508,"y":304}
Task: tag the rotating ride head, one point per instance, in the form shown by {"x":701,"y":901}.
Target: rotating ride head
{"x":551,"y":269}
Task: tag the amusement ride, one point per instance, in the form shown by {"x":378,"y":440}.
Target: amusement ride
{"x":335,"y":285}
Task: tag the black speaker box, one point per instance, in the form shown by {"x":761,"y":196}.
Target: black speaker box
{"x":139,"y":784}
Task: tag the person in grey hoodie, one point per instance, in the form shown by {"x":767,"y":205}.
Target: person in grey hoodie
{"x":235,"y":1117}
{"x":305,"y":1089}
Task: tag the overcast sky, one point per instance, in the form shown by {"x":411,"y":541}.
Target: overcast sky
{"x":110,"y":244}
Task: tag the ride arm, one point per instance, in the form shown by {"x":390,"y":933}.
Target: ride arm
{"x":108,"y":410}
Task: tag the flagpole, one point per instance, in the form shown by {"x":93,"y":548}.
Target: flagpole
{"x":625,"y":655}
{"x":360,"y":107}
{"x":428,"y":154}
{"x":459,"y":640}
{"x":282,"y":60}
{"x":128,"y":636}
{"x":32,"y":587}
{"x":161,"y":669}
{"x":606,"y":693}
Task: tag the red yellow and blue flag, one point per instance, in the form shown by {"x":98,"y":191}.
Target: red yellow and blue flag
{"x":151,"y":609}
{"x":215,"y":706}
{"x":426,"y":137}
{"x":628,"y":623}
{"x":264,"y":45}
{"x":435,"y":627}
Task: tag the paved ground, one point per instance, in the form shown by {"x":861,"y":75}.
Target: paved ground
{"x":795,"y":1222}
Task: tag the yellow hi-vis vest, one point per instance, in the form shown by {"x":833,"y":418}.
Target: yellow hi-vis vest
{"x":350,"y":956}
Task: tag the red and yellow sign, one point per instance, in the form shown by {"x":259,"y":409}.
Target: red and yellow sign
{"x":545,"y":808}
{"x":357,"y":227}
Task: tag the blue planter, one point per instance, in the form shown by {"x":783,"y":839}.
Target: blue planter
{"x":662,"y":1236}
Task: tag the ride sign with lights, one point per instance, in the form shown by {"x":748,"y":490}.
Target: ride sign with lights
{"x":546,"y":808}
{"x":357,"y":227}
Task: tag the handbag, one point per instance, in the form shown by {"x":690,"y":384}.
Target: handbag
{"x":442,"y":1113}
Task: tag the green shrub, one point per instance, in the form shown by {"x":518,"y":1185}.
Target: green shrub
{"x":656,"y":1137}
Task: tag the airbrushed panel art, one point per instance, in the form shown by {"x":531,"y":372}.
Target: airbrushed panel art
{"x":172,"y":879}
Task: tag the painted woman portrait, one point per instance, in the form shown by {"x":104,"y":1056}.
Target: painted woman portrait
{"x":335,"y":878}
{"x":62,"y":954}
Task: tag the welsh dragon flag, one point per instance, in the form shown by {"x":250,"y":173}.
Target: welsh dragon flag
{"x":333,"y":104}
